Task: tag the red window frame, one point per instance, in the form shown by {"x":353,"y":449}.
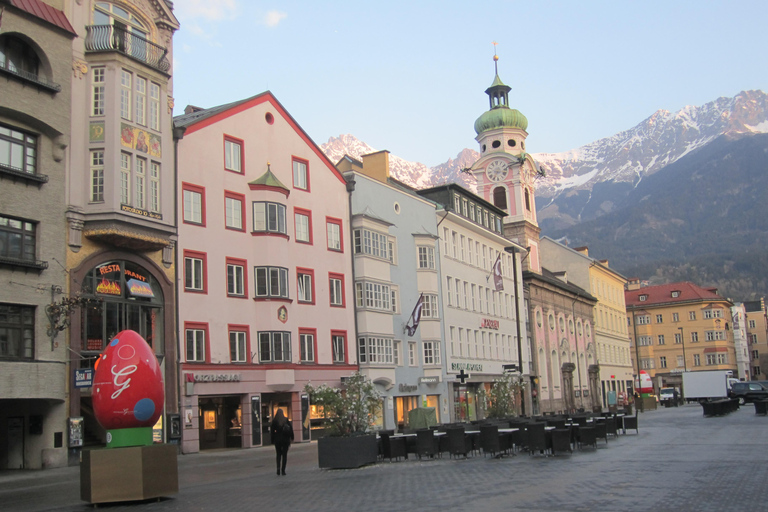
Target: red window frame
{"x":306,"y":163}
{"x":313,"y":332}
{"x":202,"y":327}
{"x":334,"y":275}
{"x":338,"y":222}
{"x":240,"y":197}
{"x":311,"y":273}
{"x":308,"y":213}
{"x":200,"y":190}
{"x":343,"y":334}
{"x":247,"y":330}
{"x":239,"y":142}
{"x":242,"y":263}
{"x":201,"y":256}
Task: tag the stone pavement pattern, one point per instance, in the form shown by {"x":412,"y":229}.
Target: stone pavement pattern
{"x":679,"y":461}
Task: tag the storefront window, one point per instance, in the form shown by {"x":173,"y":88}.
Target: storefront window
{"x":465,"y":403}
{"x":209,"y":420}
{"x":403,"y":404}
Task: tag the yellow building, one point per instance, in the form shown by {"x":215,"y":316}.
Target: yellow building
{"x":757,"y":338}
{"x":678,"y":327}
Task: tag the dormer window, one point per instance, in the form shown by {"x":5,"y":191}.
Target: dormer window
{"x":675,"y":294}
{"x":643,"y":298}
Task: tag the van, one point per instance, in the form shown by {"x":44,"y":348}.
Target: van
{"x":667,"y":396}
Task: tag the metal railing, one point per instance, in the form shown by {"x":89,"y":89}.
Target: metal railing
{"x":108,"y":38}
{"x":32,"y":77}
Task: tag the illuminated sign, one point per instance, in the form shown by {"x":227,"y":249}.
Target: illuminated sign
{"x":473,"y":367}
{"x":221,"y":377}
{"x":139,"y":288}
{"x":108,"y":287}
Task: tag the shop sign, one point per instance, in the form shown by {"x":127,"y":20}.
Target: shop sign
{"x":143,"y":213}
{"x":84,"y":377}
{"x":406,"y":388}
{"x":108,"y":287}
{"x":470,"y":367}
{"x":429,"y":380}
{"x":139,"y":288}
{"x":219,"y":377}
{"x":487,"y":323}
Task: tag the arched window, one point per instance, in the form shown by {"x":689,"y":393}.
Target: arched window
{"x":555,"y":369}
{"x":543,"y":366}
{"x":117,"y":29}
{"x":18,"y":57}
{"x":109,"y":14}
{"x":527,"y":200}
{"x":500,"y":198}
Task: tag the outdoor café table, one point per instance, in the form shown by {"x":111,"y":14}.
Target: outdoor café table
{"x":474,"y":436}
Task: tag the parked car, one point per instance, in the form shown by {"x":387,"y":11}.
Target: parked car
{"x":667,"y":397}
{"x":748,"y":391}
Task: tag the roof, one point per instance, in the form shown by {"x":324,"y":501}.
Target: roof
{"x":462,"y":191}
{"x":268,"y":179}
{"x":662,"y":294}
{"x":549,"y":277}
{"x":45,"y":12}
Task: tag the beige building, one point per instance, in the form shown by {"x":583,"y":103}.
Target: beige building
{"x":35,"y":76}
{"x":757,"y":338}
{"x":611,"y":335}
{"x":679,"y":327}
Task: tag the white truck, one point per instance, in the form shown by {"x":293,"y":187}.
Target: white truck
{"x":707,"y":385}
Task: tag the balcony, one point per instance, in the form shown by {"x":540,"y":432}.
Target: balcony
{"x":108,"y":38}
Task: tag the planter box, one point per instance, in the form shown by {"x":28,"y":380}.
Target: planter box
{"x":347,"y":452}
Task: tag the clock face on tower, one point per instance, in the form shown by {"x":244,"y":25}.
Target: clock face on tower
{"x":496,"y":170}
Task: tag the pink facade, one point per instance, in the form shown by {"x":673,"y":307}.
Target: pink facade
{"x":265,"y":278}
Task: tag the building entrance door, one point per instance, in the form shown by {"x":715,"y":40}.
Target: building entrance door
{"x":270,"y":403}
{"x":15,"y":443}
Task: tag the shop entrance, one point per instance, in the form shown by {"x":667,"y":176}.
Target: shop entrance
{"x":220,"y":422}
{"x":465,"y":402}
{"x":270,"y":403}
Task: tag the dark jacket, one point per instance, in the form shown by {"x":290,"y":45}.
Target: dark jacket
{"x":277,"y":434}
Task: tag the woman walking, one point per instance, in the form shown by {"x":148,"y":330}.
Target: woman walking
{"x":281,"y":432}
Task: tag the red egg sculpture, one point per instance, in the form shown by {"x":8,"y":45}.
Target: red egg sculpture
{"x":127,"y":384}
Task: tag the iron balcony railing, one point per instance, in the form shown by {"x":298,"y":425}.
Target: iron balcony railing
{"x":108,"y":38}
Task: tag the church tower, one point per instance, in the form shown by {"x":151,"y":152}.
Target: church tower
{"x":504,"y":172}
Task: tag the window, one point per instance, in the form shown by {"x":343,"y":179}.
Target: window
{"x":272,"y":282}
{"x":300,"y":174}
{"x":715,"y":335}
{"x":303,"y":225}
{"x":678,"y":338}
{"x":372,"y":243}
{"x":431,"y":352}
{"x":18,"y":150}
{"x":274,"y":347}
{"x":125,"y":94}
{"x":98,"y":78}
{"x":305,"y":281}
{"x":644,"y":341}
{"x":307,"y":346}
{"x":696,"y":360}
{"x":233,"y":154}
{"x":17,"y":239}
{"x":373,"y":296}
{"x":154,"y":187}
{"x":234,"y":211}
{"x":336,"y":287}
{"x":429,"y":306}
{"x":755,"y":355}
{"x":691,"y":315}
{"x":644,"y":320}
{"x":236,"y":286}
{"x":753,"y":338}
{"x":141,"y":100}
{"x":675,"y":294}
{"x":18,"y":57}
{"x":238,"y":347}
{"x":752,"y":324}
{"x":154,"y":106}
{"x":659,"y":319}
{"x":194,"y":204}
{"x":141,"y":180}
{"x":339,"y":346}
{"x":397,"y":356}
{"x":269,"y":217}
{"x":713,"y":313}
{"x":643,"y":298}
{"x":412,"y":359}
{"x":195,"y":340}
{"x":694,"y":337}
{"x":680,"y":361}
{"x":97,"y":176}
{"x":17,"y":328}
{"x":374,"y":350}
{"x":661,"y":339}
{"x":333,"y":230}
{"x":711,"y":359}
{"x":646,"y":364}
{"x":195,"y":278}
{"x":125,"y":178}
{"x":662,"y":362}
{"x":426,"y":257}
{"x":675,"y":317}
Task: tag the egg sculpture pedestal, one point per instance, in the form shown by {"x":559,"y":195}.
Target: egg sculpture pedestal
{"x":127,"y":401}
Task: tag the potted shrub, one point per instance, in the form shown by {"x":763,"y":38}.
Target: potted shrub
{"x":348,"y":416}
{"x":502,"y":400}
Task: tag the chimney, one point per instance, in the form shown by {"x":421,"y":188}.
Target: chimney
{"x":633,"y":284}
{"x":376,"y":165}
{"x":582,"y":250}
{"x":189,"y":109}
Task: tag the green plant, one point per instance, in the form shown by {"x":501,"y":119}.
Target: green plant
{"x":347,"y":411}
{"x":501,"y":401}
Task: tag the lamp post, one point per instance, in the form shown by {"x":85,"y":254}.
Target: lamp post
{"x":682,"y":339}
{"x":512,"y":249}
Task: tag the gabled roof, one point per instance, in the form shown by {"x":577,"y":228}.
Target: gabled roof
{"x":45,"y":12}
{"x":195,"y":121}
{"x":662,"y":294}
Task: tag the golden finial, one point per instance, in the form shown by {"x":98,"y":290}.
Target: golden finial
{"x":495,"y":58}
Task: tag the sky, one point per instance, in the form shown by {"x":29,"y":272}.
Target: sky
{"x":410,"y":76}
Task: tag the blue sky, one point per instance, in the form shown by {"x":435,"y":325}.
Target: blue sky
{"x":410,"y":76}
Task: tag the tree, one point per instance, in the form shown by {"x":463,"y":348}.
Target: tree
{"x":501,"y":401}
{"x":348,"y":411}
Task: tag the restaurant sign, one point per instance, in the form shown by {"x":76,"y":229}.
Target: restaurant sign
{"x":469,"y":367}
{"x":487,"y":323}
{"x":220,"y":377}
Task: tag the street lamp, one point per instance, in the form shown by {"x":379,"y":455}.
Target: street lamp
{"x":682,"y":339}
{"x":513,"y":249}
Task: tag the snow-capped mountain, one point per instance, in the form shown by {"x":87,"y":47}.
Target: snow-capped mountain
{"x":587,"y":182}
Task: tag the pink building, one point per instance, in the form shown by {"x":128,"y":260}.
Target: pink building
{"x":265,"y":276}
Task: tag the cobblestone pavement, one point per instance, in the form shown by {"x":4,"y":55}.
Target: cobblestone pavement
{"x":679,"y":461}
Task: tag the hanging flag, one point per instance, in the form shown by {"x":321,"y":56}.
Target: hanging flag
{"x":415,"y":316}
{"x":498,"y":281}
